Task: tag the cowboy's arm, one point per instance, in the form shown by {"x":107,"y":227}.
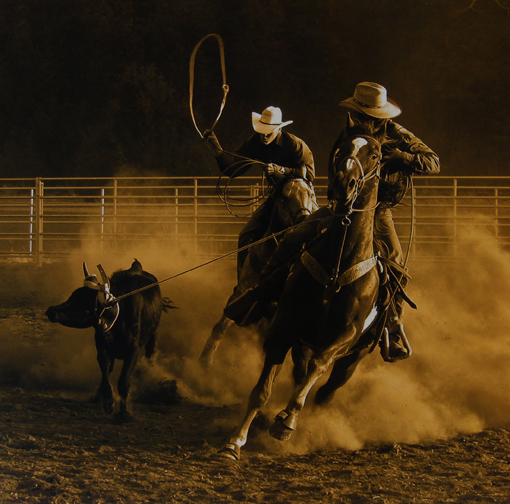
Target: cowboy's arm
{"x":302,"y":161}
{"x":411,"y":153}
{"x":229,"y":164}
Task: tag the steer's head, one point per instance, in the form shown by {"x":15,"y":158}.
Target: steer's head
{"x":80,"y":310}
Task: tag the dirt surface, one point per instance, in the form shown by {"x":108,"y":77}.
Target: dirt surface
{"x":58,"y":446}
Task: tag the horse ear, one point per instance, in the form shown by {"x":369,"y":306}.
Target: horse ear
{"x":85,"y":270}
{"x":350,"y":122}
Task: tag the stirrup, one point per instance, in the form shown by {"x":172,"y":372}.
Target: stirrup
{"x":385,"y":345}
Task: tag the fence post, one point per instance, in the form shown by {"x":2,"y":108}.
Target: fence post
{"x":195,"y":211}
{"x":102,"y":218}
{"x":39,"y":216}
{"x":496,"y":194}
{"x":455,"y":191}
{"x":114,"y":217}
{"x":32,"y":223}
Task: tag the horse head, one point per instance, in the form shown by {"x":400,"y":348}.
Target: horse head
{"x":356,"y":161}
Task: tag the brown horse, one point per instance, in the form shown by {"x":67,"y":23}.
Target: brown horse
{"x":329,"y":304}
{"x":295,"y":203}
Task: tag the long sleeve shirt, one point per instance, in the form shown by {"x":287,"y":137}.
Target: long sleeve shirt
{"x":415,"y":157}
{"x":285,"y":150}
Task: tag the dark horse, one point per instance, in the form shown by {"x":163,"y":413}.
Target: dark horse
{"x":327,"y":313}
{"x":296,"y":201}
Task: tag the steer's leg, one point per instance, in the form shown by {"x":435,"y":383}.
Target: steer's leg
{"x":258,"y":398}
{"x":105,"y":389}
{"x":124,"y":386}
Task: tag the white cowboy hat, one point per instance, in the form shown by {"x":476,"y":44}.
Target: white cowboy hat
{"x":372,"y":99}
{"x":268,"y":121}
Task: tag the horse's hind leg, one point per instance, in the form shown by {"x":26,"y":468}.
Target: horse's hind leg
{"x":300,"y":357}
{"x":258,"y":398}
{"x":286,"y":421}
{"x":340,"y":375}
{"x":212,"y":344}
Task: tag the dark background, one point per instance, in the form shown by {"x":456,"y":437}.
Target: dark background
{"x":101,"y":87}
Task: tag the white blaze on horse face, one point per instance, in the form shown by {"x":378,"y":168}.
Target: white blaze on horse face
{"x":357,"y":144}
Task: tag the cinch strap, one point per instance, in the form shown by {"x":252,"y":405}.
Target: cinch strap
{"x":347,"y":277}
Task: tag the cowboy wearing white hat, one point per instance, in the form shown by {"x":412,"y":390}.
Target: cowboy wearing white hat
{"x":270,"y":120}
{"x":403,"y":155}
{"x":283,"y":156}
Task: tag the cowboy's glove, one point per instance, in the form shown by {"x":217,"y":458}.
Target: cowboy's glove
{"x":278,"y":172}
{"x":213,"y":142}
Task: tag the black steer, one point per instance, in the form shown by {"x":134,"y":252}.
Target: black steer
{"x":122,"y":326}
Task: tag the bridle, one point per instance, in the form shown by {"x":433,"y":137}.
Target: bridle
{"x":364,"y":177}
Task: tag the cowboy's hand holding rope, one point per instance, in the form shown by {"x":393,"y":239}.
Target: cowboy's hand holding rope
{"x":276,"y":172}
{"x":397,"y":160}
{"x":213,"y":142}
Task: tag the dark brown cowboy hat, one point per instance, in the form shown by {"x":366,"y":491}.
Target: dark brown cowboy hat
{"x":372,"y":99}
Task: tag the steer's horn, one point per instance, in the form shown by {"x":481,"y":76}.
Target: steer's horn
{"x":85,"y":269}
{"x":104,"y":276}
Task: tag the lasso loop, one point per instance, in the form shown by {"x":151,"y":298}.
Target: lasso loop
{"x":192,"y":79}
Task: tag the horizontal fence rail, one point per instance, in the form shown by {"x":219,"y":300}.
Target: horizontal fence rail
{"x":44,"y":219}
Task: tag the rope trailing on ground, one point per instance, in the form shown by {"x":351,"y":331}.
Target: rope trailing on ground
{"x":192,"y":79}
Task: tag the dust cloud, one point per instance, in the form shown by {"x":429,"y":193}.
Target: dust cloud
{"x":456,"y":381}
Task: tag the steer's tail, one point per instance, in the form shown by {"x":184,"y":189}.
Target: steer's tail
{"x":167,"y":304}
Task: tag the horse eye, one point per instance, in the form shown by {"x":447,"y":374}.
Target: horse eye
{"x":374,"y":156}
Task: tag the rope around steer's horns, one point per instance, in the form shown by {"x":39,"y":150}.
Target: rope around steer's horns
{"x":192,"y":79}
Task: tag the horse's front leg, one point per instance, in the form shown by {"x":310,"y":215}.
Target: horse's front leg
{"x":258,"y":398}
{"x":286,"y":421}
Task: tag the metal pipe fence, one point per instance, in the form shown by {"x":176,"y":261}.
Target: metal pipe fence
{"x":44,"y":219}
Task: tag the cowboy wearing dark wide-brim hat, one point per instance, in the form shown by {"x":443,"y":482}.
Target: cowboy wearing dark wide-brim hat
{"x":403,"y":153}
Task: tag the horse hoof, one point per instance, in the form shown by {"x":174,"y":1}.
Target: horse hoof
{"x":283,"y":426}
{"x":230,"y":451}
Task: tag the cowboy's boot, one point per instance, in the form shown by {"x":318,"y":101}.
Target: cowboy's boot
{"x":399,"y":347}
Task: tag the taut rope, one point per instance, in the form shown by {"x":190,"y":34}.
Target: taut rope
{"x":266,"y":238}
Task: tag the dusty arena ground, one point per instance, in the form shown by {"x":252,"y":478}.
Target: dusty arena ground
{"x":432,"y":429}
